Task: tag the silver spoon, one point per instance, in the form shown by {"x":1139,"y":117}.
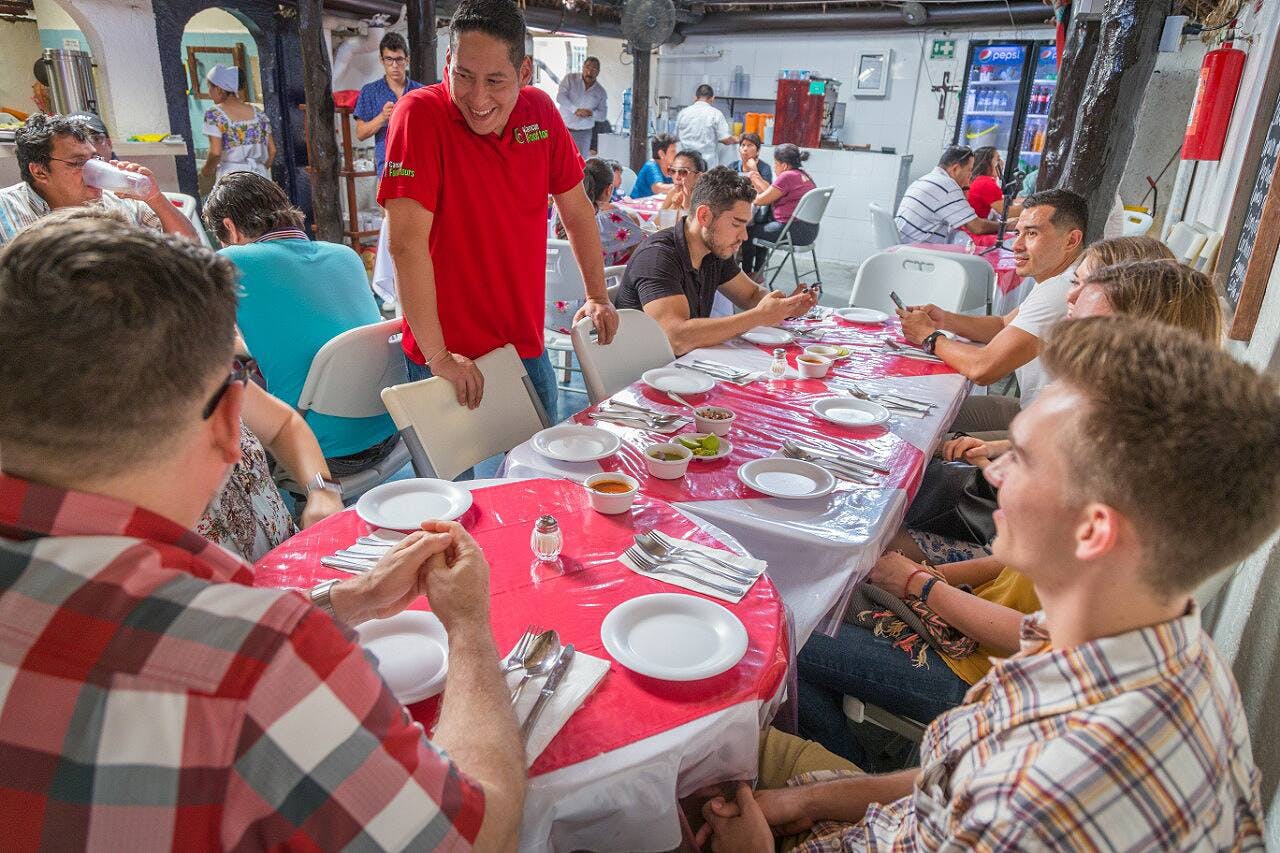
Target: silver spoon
{"x":538,"y":660}
{"x":682,"y":401}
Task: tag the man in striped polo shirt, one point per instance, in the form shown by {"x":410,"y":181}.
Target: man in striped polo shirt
{"x":935,"y":206}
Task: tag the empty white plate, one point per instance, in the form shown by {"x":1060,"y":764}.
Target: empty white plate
{"x":768,"y":336}
{"x":576,"y":443}
{"x":850,"y":411}
{"x":674,"y":637}
{"x":861,"y":315}
{"x":405,"y":504}
{"x":678,"y":380}
{"x":780,"y":477}
{"x":412,"y":649}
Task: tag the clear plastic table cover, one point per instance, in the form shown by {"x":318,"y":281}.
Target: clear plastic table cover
{"x":817,"y":549}
{"x":573,"y":596}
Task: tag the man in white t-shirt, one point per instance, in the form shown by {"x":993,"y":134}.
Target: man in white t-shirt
{"x":1050,"y":240}
{"x":704,"y":128}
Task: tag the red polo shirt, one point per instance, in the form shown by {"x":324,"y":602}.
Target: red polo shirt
{"x":489,"y":197}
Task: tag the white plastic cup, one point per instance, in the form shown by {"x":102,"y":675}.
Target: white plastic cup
{"x":104,"y":176}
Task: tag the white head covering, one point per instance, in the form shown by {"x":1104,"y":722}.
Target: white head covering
{"x":225,"y":77}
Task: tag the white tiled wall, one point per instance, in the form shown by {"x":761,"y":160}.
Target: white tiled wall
{"x":859,"y":177}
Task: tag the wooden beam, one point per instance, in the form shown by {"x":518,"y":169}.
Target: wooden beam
{"x":1077,"y":61}
{"x":1107,"y":116}
{"x":322,"y":146}
{"x":639,"y":106}
{"x":1261,"y":262}
{"x":422,"y":40}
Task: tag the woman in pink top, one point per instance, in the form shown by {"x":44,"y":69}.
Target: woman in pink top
{"x":790,"y":183}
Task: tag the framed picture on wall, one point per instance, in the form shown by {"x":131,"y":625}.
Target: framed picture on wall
{"x":871,"y":73}
{"x":201,"y":59}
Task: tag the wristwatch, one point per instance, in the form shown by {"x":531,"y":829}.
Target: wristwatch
{"x":320,"y":596}
{"x":319,"y":482}
{"x":930,"y":341}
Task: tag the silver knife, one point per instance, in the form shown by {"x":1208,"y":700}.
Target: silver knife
{"x":548,"y":688}
{"x":714,"y":374}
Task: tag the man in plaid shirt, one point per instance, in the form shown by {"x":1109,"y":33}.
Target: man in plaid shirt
{"x":150,"y":697}
{"x":1152,"y":463}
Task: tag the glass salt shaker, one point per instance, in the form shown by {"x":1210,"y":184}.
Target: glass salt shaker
{"x":547,"y":540}
{"x":778,"y":369}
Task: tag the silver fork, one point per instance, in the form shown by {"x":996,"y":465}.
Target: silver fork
{"x":842,"y":471}
{"x":835,"y":456}
{"x":661,"y":548}
{"x":890,"y":395}
{"x":664,"y":417}
{"x":515,"y":658}
{"x":652,"y":566}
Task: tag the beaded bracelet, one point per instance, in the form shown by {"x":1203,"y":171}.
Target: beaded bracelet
{"x":928,"y":586}
{"x":906,"y":586}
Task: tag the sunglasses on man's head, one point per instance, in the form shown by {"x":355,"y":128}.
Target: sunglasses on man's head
{"x":241,"y":368}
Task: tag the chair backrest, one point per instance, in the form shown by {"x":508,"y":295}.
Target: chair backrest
{"x":980,"y":276}
{"x":1136,"y":223}
{"x":639,"y":345}
{"x":813,"y":205}
{"x":884,"y":229}
{"x":444,"y":438}
{"x":186,"y":205}
{"x":1185,"y":241}
{"x":349,"y":371}
{"x":564,"y":278}
{"x":1209,"y":251}
{"x":628,"y":179}
{"x":917,"y":278}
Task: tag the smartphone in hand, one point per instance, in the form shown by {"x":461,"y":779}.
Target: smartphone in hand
{"x":897,"y":300}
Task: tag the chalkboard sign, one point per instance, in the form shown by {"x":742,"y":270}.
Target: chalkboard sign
{"x":1253,"y":212}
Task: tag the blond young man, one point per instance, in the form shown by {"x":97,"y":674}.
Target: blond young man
{"x":1117,"y":726}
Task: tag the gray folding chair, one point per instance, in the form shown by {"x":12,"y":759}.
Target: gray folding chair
{"x":810,"y":209}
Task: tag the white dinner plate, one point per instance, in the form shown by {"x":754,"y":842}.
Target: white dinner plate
{"x":861,"y":315}
{"x":412,"y":649}
{"x":405,"y":504}
{"x":780,"y":477}
{"x":726,"y":446}
{"x":850,"y":411}
{"x":678,"y":380}
{"x":576,"y":443}
{"x":768,"y":336}
{"x":674,"y":636}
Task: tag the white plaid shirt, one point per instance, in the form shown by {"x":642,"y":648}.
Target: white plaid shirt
{"x":21,"y":206}
{"x":1133,"y":742}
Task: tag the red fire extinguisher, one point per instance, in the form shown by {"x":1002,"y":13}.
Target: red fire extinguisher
{"x":1215,"y":98}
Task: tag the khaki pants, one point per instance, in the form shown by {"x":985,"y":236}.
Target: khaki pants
{"x":983,"y":416}
{"x":784,"y":756}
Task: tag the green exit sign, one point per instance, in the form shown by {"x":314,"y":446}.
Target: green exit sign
{"x":943,"y":49}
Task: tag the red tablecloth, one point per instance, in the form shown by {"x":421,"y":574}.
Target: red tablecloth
{"x":645,"y":208}
{"x":770,"y":411}
{"x":1001,"y":260}
{"x":573,"y":597}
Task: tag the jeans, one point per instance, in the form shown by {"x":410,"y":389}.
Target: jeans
{"x":858,"y":663}
{"x":541,"y":374}
{"x":753,"y":256}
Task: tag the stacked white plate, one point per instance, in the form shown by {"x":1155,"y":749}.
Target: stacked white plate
{"x":405,"y":504}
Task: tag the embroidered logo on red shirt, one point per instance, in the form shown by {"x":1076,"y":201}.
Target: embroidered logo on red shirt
{"x":530,"y":133}
{"x":397,"y":170}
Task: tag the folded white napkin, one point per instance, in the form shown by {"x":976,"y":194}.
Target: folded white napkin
{"x":580,"y":680}
{"x":749,"y":566}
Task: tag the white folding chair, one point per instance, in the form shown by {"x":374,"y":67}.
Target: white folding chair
{"x":812,"y":206}
{"x":628,"y":179}
{"x":980,"y":276}
{"x":1209,"y":251}
{"x":186,"y":205}
{"x":344,"y":381}
{"x":917,"y":277}
{"x":444,"y":438}
{"x":640,"y":344}
{"x":883,"y":227}
{"x":564,"y":282}
{"x":1185,"y":241}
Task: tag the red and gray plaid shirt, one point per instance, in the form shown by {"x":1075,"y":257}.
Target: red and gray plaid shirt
{"x":1133,"y":742}
{"x":150,"y":698}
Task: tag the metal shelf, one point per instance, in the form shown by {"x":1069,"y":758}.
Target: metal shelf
{"x":987,"y":113}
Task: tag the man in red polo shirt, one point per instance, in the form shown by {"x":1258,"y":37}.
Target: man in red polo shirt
{"x":470,"y":163}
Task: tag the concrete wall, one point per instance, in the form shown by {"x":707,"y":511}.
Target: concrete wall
{"x":19,"y":49}
{"x":615,"y":73}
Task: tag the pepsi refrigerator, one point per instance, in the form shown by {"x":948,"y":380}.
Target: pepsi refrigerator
{"x":1005,"y":97}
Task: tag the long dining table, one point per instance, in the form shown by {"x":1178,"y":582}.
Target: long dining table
{"x":817,"y":548}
